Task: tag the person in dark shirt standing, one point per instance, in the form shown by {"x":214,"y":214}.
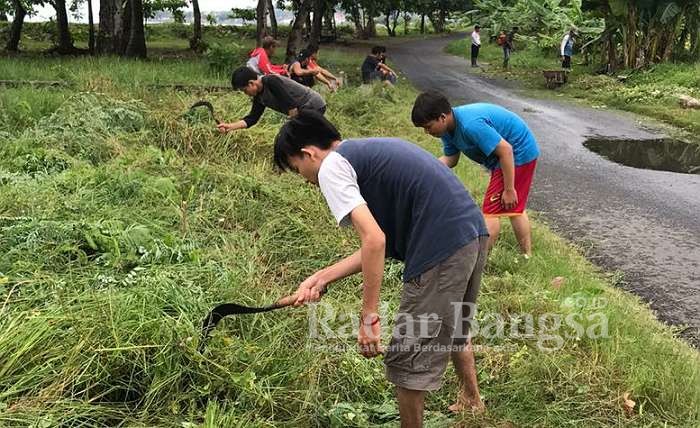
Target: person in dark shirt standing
{"x":279,"y":93}
{"x":509,"y":47}
{"x":385,"y":188}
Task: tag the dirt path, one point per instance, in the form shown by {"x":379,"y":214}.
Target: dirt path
{"x":644,"y":223}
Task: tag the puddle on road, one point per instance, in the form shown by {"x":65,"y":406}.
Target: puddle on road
{"x":662,"y":154}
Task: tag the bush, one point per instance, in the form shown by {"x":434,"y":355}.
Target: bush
{"x":224,"y":58}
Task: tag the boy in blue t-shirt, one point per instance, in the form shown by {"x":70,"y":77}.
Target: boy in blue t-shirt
{"x":495,"y":138}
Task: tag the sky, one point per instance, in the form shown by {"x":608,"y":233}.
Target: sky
{"x":46,"y":12}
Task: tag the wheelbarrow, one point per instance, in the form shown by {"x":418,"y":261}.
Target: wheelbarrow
{"x":554,"y":78}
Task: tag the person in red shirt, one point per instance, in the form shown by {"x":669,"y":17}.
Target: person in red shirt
{"x":305,"y":69}
{"x":259,"y":60}
{"x":323,"y":76}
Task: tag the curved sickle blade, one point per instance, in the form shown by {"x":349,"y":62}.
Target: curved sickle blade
{"x":209,"y":107}
{"x":224,"y":310}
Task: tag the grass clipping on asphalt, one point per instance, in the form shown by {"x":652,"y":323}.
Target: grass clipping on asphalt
{"x":123,"y":224}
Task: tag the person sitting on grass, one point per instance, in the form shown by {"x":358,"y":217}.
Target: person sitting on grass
{"x":374,"y":68}
{"x":324,"y":76}
{"x":387,"y":72}
{"x":385,"y":188}
{"x":279,"y":93}
{"x":300,"y":72}
{"x":259,"y":58}
{"x":495,"y":138}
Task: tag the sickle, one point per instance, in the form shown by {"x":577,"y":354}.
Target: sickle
{"x":209,"y":107}
{"x":226,"y":309}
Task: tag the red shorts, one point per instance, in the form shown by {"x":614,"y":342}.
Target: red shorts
{"x":523,"y":180}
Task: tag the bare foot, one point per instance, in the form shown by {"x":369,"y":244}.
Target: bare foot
{"x":474,"y":406}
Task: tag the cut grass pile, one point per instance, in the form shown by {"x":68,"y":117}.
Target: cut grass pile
{"x":122,"y":224}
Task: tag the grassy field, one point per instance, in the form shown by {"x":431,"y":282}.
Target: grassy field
{"x":123,"y":223}
{"x":653,"y":92}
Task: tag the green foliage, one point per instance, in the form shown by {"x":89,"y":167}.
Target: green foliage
{"x":541,"y":22}
{"x":108,"y":264}
{"x":150,"y":7}
{"x":246,"y":14}
{"x":224,"y":58}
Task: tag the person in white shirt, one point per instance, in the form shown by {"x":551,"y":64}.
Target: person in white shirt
{"x":566,"y":50}
{"x":476,"y":44}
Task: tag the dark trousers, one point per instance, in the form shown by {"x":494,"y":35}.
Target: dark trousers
{"x":475,"y":54}
{"x":566,"y":63}
{"x":506,"y":56}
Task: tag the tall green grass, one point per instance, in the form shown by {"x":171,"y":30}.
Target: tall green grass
{"x":123,"y":223}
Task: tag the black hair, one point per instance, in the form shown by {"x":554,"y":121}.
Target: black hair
{"x":311,"y":49}
{"x":241,"y":76}
{"x":304,"y":54}
{"x":477,"y":26}
{"x":376,"y":50}
{"x":308,"y":128}
{"x":429,"y":106}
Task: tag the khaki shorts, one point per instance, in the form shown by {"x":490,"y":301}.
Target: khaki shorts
{"x":434,"y":317}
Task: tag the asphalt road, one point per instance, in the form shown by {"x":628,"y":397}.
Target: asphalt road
{"x":643,"y":223}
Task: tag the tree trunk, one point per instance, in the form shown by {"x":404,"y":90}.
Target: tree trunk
{"x":91,"y":29}
{"x":438,"y":21}
{"x":196,"y":40}
{"x":294,"y":40}
{"x":334,"y":27}
{"x":16,"y":29}
{"x":3,"y":16}
{"x":113,"y":31}
{"x":273,"y":18}
{"x":260,"y":20}
{"x":422,"y":23}
{"x":307,"y":22}
{"x":630,"y":36}
{"x":65,"y":42}
{"x":357,"y":20}
{"x":395,"y":21}
{"x":123,"y":21}
{"x":317,"y":24}
{"x":612,"y":53}
{"x":387,"y":23}
{"x":136,"y":47}
{"x":327,"y":25}
{"x":406,"y":20}
{"x":370,"y":25}
{"x":105,"y":30}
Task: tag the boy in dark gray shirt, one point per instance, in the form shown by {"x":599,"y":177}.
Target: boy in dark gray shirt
{"x":406,"y":205}
{"x":279,"y":93}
